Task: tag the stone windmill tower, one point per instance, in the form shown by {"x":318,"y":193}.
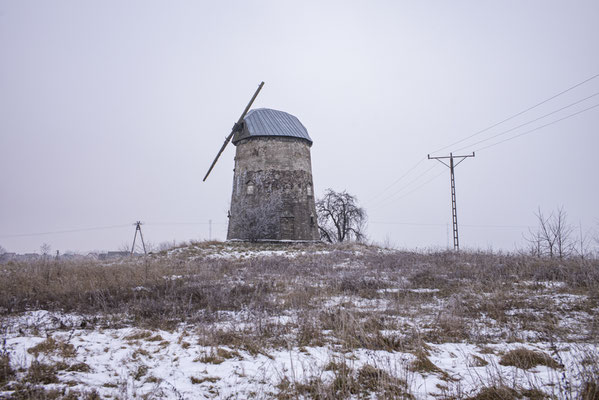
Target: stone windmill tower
{"x":273,"y":192}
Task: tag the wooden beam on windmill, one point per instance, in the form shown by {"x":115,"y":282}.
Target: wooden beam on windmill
{"x":235,"y":129}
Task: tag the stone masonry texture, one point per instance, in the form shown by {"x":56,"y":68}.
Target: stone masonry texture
{"x":280,"y":168}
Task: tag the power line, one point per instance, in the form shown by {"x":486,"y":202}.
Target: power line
{"x":527,"y":123}
{"x":184,"y":223}
{"x":65,"y":231}
{"x":413,"y":190}
{"x":377,"y":204}
{"x":539,"y":127}
{"x":99,"y":228}
{"x":396,"y":181}
{"x":443,"y":225}
{"x":496,"y":226}
{"x":518,"y":114}
{"x":382,"y":201}
{"x":403,"y":223}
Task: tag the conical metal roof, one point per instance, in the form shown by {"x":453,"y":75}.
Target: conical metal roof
{"x":268,"y":122}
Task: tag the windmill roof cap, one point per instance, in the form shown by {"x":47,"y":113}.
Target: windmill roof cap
{"x":269,"y":122}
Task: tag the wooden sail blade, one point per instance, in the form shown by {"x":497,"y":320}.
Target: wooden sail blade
{"x":235,"y":128}
{"x":227,"y":140}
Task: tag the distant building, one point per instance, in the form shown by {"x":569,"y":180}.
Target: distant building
{"x":6,"y":257}
{"x":112,"y":255}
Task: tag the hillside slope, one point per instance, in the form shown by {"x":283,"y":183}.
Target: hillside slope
{"x":235,"y":320}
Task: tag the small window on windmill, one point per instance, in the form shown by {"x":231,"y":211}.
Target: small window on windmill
{"x":311,"y":220}
{"x":309,"y":190}
{"x":250,"y":187}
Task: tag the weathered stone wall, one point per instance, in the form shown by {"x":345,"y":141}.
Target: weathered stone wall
{"x":277,"y":171}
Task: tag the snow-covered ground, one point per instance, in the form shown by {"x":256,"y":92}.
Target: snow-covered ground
{"x":305,"y":323}
{"x":132,"y":362}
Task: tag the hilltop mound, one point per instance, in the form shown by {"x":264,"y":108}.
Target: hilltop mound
{"x":220,"y":320}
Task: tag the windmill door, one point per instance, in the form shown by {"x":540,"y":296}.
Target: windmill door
{"x":287,"y":228}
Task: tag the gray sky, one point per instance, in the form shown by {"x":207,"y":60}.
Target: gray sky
{"x":111,"y":112}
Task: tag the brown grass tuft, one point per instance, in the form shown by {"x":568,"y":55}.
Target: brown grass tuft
{"x":496,"y":393}
{"x":6,"y":372}
{"x":526,"y":359}
{"x":53,"y":346}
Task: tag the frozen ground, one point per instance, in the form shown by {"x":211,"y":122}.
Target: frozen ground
{"x":337,"y":322}
{"x":131,"y":362}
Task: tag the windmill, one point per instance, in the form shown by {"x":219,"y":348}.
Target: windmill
{"x":273,"y":195}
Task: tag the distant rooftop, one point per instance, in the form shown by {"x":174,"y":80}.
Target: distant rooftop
{"x":268,"y":122}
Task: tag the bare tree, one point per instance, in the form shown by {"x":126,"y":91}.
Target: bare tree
{"x":583,"y":243}
{"x":535,"y":243}
{"x":45,"y":249}
{"x":2,"y":250}
{"x":553,"y":236}
{"x":339,"y":217}
{"x":562,"y":232}
{"x":260,"y":220}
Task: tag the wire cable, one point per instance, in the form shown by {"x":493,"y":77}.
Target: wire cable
{"x":99,"y":228}
{"x":404,"y":187}
{"x":527,"y":123}
{"x":66,"y":231}
{"x":411,"y":191}
{"x":537,"y":128}
{"x":184,"y":223}
{"x":444,"y":225}
{"x":518,"y":114}
{"x":395,"y":181}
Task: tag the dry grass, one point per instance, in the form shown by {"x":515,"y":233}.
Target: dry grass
{"x":445,"y":291}
{"x":345,"y":297}
{"x":199,"y":381}
{"x":6,"y":371}
{"x":496,"y":393}
{"x":53,"y":346}
{"x":346,"y":383}
{"x":526,"y":359}
{"x":40,"y":373}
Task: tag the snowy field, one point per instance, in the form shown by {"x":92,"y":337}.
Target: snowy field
{"x":237,"y":321}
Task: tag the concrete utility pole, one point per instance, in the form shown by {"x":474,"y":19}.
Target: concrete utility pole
{"x":454,"y":209}
{"x":138,"y":228}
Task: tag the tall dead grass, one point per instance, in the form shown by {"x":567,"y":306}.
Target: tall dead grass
{"x":164,"y":290}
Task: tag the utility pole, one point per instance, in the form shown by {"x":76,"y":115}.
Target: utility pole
{"x":209,"y":229}
{"x":138,"y":228}
{"x":454,"y":209}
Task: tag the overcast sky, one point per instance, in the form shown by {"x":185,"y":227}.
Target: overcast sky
{"x":111,"y":112}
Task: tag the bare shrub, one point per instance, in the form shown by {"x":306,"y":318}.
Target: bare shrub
{"x":259,"y":219}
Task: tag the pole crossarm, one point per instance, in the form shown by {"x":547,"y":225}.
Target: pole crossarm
{"x":454,"y":209}
{"x":451,"y":156}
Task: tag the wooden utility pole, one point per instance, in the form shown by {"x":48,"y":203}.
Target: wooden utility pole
{"x":138,"y":228}
{"x":454,"y":208}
